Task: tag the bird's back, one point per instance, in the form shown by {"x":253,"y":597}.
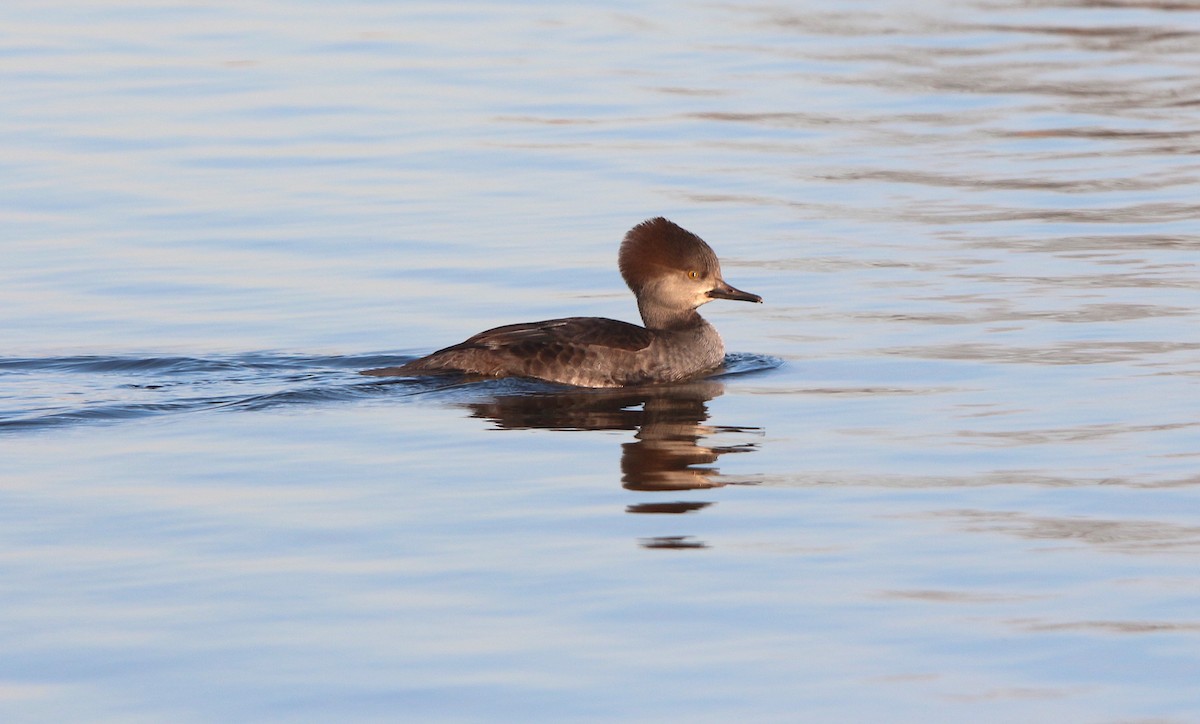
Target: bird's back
{"x":581,"y":351}
{"x":585,"y":351}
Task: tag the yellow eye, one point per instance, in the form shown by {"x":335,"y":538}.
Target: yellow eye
{"x":693,"y":275}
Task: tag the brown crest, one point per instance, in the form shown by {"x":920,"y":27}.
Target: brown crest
{"x":657,"y":244}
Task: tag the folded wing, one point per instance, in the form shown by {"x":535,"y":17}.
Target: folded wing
{"x":574,"y":350}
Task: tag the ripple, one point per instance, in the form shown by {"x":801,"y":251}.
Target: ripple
{"x":47,"y":392}
{"x":181,"y":365}
{"x":1068,"y":353}
{"x":744,"y":363}
{"x":1124,"y":536}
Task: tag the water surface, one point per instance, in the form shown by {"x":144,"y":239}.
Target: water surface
{"x":950,"y":472}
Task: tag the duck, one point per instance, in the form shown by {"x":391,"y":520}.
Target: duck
{"x":671,"y":272}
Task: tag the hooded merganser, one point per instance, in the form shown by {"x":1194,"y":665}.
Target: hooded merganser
{"x":670,"y":270}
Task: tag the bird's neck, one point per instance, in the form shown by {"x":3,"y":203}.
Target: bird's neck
{"x":661,"y":318}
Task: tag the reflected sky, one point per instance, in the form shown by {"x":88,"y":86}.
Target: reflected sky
{"x":967,"y":491}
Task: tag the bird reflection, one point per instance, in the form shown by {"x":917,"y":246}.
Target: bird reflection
{"x":666,"y":453}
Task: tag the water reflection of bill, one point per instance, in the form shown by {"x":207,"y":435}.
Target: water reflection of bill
{"x":666,"y":453}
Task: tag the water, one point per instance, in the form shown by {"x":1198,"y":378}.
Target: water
{"x":950,"y":473}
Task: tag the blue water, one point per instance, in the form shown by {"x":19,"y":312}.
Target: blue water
{"x":949,"y":474}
